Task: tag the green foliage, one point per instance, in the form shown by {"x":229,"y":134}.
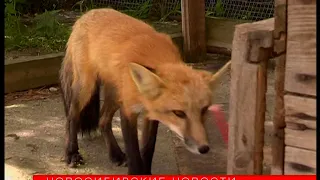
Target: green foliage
{"x":13,"y":26}
{"x":247,"y":16}
{"x":46,"y":24}
{"x":12,"y":7}
{"x":142,"y":12}
{"x":175,"y":10}
{"x":218,"y":9}
{"x":45,"y":32}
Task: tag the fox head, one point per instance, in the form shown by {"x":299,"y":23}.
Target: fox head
{"x":179,"y":97}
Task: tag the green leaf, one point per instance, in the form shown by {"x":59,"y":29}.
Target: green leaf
{"x":219,"y":10}
{"x":10,"y":9}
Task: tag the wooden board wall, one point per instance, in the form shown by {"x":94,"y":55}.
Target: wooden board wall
{"x":300,"y":135}
{"x":300,"y":88}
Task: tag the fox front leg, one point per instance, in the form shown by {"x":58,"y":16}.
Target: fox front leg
{"x":148,"y":141}
{"x":131,"y":143}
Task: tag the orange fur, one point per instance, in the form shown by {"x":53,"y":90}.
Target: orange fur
{"x":111,"y":47}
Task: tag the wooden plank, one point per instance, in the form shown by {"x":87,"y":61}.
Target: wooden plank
{"x":302,"y":2}
{"x":298,"y":169}
{"x":280,"y":36}
{"x":278,"y":118}
{"x":300,"y":76}
{"x":193,"y":30}
{"x":298,"y":123}
{"x":247,"y":97}
{"x":305,"y":139}
{"x":299,"y":161}
{"x":301,"y":112}
{"x":301,"y":47}
{"x":32,"y":71}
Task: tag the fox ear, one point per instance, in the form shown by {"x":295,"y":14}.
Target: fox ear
{"x":149,"y":84}
{"x":214,"y":79}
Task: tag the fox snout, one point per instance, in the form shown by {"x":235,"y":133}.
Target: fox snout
{"x":203,"y":149}
{"x":196,"y":148}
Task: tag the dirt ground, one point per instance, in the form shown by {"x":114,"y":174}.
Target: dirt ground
{"x":34,"y":139}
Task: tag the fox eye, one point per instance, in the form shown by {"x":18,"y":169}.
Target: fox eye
{"x":204,"y":110}
{"x":179,"y":114}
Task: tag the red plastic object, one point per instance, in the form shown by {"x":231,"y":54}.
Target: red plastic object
{"x":220,"y":120}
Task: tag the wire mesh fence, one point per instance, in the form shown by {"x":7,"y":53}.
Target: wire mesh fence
{"x":120,"y":4}
{"x":253,"y":10}
{"x":239,"y":9}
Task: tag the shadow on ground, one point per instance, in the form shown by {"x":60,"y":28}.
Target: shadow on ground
{"x":35,"y":139}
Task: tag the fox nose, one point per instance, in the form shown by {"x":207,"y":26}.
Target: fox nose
{"x":203,"y":149}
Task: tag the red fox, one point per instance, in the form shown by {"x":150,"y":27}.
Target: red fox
{"x":142,"y":72}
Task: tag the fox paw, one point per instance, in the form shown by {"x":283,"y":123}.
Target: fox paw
{"x":119,"y":159}
{"x":74,"y":159}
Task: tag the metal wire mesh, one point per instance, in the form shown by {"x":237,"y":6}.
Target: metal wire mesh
{"x":254,"y":10}
{"x":239,"y":9}
{"x":120,"y":4}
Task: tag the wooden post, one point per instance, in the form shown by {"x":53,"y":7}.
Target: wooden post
{"x":193,"y":30}
{"x":252,"y":47}
{"x":280,"y":32}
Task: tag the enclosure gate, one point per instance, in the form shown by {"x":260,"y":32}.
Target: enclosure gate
{"x":291,"y":38}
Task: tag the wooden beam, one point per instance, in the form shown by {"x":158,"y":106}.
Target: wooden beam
{"x":29,"y":72}
{"x":193,"y":30}
{"x":252,"y":47}
{"x":280,"y":35}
